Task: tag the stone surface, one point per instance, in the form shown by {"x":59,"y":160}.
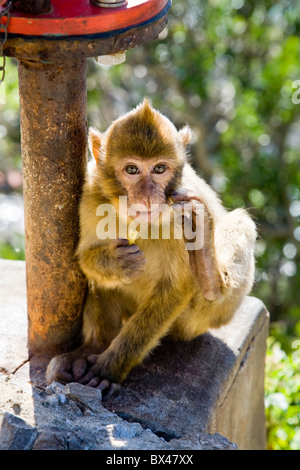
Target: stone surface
{"x":13,"y":316}
{"x":60,"y":418}
{"x":88,"y":397}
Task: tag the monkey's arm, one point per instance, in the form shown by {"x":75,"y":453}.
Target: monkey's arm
{"x":140,"y":334}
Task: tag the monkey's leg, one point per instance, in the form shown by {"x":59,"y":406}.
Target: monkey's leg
{"x":141,"y":333}
{"x":101,"y":323}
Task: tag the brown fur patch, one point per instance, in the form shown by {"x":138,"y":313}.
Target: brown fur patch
{"x":142,"y":132}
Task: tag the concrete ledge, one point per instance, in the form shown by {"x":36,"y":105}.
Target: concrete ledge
{"x":13,"y":316}
{"x":213,"y":384}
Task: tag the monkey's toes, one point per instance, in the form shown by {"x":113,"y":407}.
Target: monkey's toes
{"x":79,"y":367}
{"x":109,"y":389}
{"x":59,"y":370}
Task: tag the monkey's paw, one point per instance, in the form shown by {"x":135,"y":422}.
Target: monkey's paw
{"x":96,"y":379}
{"x":130,"y":259}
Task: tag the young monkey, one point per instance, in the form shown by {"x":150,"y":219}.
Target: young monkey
{"x":139,"y":292}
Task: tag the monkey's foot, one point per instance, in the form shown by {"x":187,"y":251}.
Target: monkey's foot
{"x":94,"y":379}
{"x":68,"y":367}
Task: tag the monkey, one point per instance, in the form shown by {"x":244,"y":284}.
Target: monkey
{"x":143,"y":290}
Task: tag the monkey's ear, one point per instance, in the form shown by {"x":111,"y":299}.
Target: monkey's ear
{"x":185,"y":134}
{"x":95,"y":143}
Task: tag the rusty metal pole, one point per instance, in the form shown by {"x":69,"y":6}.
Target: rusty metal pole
{"x":53,"y":137}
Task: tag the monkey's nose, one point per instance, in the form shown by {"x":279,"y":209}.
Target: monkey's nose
{"x":147,"y":202}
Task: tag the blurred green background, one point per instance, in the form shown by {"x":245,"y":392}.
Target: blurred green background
{"x":227,"y":68}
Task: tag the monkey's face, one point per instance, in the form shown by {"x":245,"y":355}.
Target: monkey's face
{"x":141,"y":155}
{"x":146,"y":182}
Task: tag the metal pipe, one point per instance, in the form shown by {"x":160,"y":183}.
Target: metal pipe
{"x":53,"y":138}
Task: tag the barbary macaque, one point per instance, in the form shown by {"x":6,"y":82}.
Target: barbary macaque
{"x":142,"y":288}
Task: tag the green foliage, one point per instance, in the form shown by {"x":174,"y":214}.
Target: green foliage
{"x":282,"y":400}
{"x":13,"y":249}
{"x":227,"y":68}
{"x":10,"y":121}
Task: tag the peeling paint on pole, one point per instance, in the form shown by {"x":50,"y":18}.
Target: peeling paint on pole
{"x":54,"y":137}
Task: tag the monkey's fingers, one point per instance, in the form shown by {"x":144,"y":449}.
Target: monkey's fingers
{"x":109,"y":389}
{"x":97,"y":382}
{"x":79,"y":367}
{"x":104,"y":385}
{"x":59,"y":370}
{"x":127,"y":249}
{"x":92,"y":358}
{"x":63,"y":377}
{"x":193,"y":212}
{"x":119,"y":242}
{"x":137,"y":258}
{"x":59,"y":374}
{"x":94,"y":382}
{"x":179,"y":197}
{"x":87,"y":377}
{"x":132,"y":262}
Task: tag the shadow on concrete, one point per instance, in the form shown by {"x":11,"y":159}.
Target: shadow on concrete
{"x":176,"y":388}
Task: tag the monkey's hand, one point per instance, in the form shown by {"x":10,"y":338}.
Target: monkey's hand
{"x":97,"y":376}
{"x":129,"y":260}
{"x":202,"y":259}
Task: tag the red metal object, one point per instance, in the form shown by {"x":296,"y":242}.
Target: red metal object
{"x":81,"y":18}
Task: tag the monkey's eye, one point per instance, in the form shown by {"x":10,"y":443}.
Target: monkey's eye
{"x":160,"y":168}
{"x":132,"y":169}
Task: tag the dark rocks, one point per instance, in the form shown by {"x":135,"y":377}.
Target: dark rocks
{"x":88,"y":397}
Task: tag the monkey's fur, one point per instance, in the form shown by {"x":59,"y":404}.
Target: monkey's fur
{"x":140,"y":293}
